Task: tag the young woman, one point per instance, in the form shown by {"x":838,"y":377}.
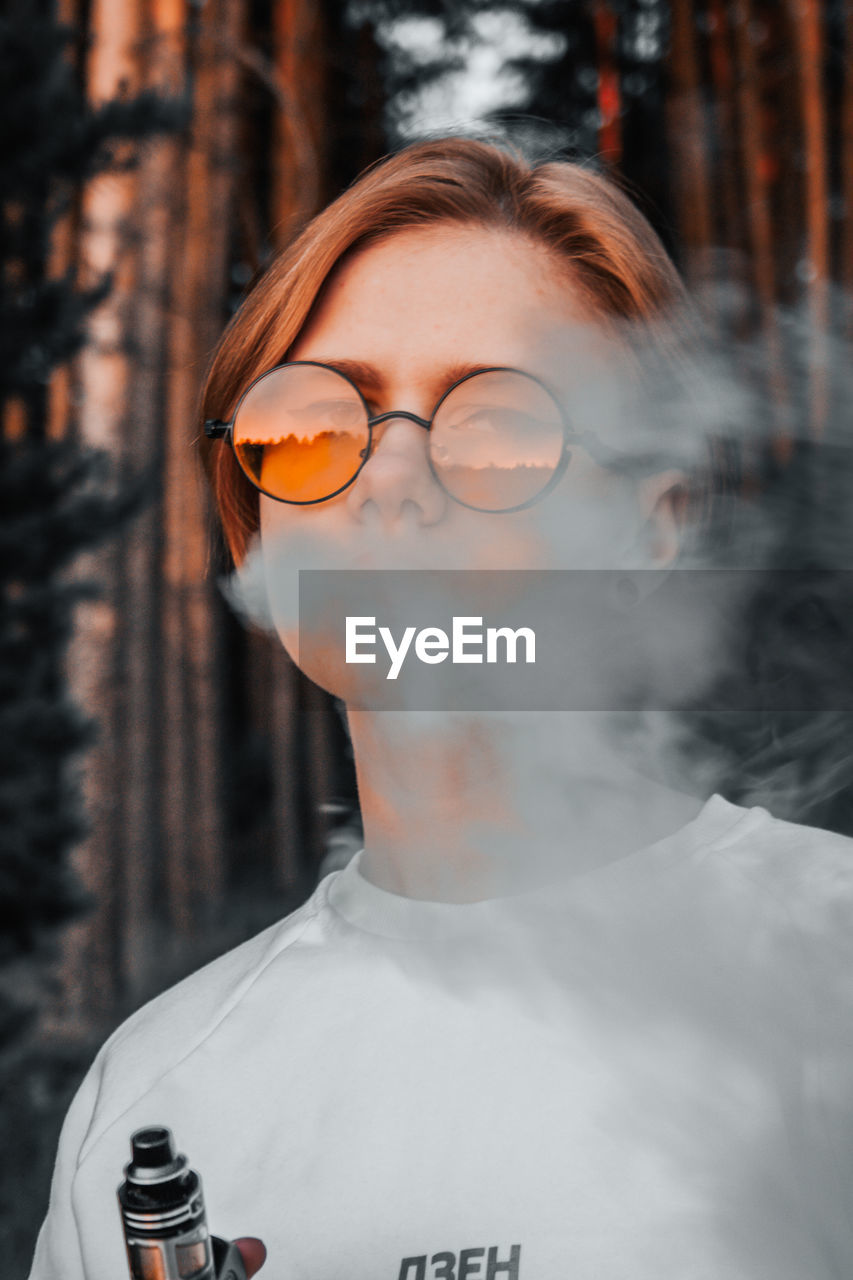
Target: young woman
{"x":559,"y":1017}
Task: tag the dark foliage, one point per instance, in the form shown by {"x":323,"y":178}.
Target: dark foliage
{"x":791,"y":751}
{"x":57,"y":496}
{"x":563,"y":91}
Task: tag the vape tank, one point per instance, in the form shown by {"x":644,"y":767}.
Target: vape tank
{"x":162,"y":1212}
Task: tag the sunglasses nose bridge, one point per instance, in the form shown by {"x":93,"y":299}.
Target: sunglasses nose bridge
{"x":399,"y":413}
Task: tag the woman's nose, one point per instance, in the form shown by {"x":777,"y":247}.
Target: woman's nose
{"x":396,"y":482}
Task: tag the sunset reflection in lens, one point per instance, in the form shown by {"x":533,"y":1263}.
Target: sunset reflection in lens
{"x":300,"y":432}
{"x":497,"y":440}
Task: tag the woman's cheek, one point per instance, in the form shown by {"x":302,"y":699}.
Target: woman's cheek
{"x":309,"y":622}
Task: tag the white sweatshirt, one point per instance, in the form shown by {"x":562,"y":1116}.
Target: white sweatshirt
{"x":643,"y":1074}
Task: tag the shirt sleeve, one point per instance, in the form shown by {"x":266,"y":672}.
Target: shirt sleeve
{"x":58,"y":1255}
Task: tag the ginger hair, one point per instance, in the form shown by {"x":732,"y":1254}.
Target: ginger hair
{"x":614,"y":257}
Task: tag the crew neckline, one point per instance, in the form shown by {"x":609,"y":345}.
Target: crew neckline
{"x":379,"y":911}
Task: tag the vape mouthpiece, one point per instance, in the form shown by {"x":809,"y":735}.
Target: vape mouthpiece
{"x":153,"y":1157}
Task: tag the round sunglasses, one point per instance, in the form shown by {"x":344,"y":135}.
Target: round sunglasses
{"x":498,"y":439}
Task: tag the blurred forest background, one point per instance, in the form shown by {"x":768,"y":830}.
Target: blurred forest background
{"x":169,"y":783}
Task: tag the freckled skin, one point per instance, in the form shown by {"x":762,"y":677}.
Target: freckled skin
{"x":447,"y":799}
{"x":413,"y":306}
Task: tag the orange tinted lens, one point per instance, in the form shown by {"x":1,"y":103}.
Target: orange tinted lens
{"x":497,"y":440}
{"x":300,"y":432}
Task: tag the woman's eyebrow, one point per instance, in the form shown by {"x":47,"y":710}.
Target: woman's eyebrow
{"x":366,"y":375}
{"x":457,"y":372}
{"x":358,"y":371}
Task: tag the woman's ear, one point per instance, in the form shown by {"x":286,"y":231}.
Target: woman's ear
{"x":662,"y":502}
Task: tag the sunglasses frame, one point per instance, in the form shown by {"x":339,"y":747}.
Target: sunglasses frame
{"x":217,"y":429}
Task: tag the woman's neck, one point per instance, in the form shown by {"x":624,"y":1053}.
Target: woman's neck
{"x":461,"y":808}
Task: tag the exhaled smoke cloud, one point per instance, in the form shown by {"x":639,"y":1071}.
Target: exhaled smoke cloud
{"x":761,"y":431}
{"x":663,"y":984}
{"x":760,"y":428}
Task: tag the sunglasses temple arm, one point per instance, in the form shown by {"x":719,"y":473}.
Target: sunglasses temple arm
{"x":619,"y":459}
{"x":215,"y":429}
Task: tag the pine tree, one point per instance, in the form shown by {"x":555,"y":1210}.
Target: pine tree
{"x":57,"y":496}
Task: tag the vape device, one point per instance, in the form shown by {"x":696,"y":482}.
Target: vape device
{"x":162,"y":1212}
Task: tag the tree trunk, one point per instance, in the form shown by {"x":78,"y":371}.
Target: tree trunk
{"x":808,"y":45}
{"x":298,"y":87}
{"x":846,"y":162}
{"x":194,"y":854}
{"x":688,"y":139}
{"x":759,"y":223}
{"x":609,"y":96}
{"x":92,"y":948}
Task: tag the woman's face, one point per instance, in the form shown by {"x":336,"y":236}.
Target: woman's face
{"x":405,"y":317}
